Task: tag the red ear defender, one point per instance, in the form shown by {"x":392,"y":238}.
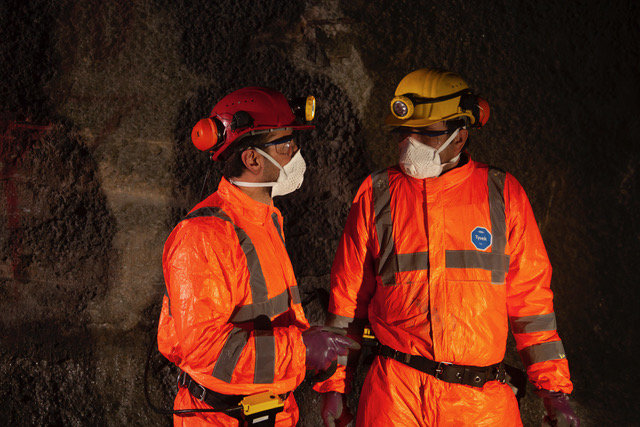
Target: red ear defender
{"x":207,"y":133}
{"x":481,"y":112}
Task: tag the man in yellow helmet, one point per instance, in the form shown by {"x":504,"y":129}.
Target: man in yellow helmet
{"x":440,"y":254}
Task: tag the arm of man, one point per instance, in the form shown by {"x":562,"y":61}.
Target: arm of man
{"x":352,"y":286}
{"x":530,"y":305}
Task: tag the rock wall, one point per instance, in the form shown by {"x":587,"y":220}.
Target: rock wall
{"x":101,"y":167}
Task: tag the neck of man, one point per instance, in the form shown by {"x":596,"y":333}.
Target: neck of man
{"x":259,"y":194}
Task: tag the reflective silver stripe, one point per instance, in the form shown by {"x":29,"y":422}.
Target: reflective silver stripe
{"x":229,"y":355}
{"x":262,"y":305}
{"x":338,"y":321}
{"x":495,"y":183}
{"x":256,"y":278}
{"x":387,"y":261}
{"x":295,"y":295}
{"x":536,"y":323}
{"x":265,"y":362}
{"x":475,"y":259}
{"x":413,"y":262}
{"x":542,"y":352}
{"x":274,"y":217}
{"x":270,"y":308}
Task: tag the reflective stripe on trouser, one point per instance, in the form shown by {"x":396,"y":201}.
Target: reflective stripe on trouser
{"x":390,"y":262}
{"x":394,"y":394}
{"x":184,"y":400}
{"x":264,"y":369}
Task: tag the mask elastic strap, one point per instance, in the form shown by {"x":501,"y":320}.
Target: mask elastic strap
{"x":448,"y":141}
{"x":259,"y":184}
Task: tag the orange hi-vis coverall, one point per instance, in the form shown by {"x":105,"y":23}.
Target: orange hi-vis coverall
{"x":441,"y":266}
{"x":225,"y":265}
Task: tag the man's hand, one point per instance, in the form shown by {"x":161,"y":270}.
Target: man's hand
{"x":335,"y":412}
{"x":324,"y":345}
{"x":559,"y":413}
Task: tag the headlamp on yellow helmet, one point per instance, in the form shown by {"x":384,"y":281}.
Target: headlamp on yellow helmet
{"x":428,"y":96}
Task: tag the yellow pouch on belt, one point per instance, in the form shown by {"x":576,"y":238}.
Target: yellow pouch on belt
{"x":261,"y":402}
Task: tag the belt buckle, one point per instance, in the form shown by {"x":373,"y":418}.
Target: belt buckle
{"x":179,"y":382}
{"x":439,"y":371}
{"x":204,"y":393}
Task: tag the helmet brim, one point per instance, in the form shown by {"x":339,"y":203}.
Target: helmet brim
{"x":393,"y":121}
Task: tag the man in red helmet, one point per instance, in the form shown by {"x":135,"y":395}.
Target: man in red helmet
{"x":231,"y":317}
{"x":440,"y":254}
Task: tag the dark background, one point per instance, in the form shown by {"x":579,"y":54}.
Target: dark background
{"x":97,"y":101}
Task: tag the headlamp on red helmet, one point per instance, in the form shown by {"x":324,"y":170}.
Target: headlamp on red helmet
{"x":250,"y":111}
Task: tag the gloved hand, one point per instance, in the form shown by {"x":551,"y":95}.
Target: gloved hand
{"x":559,"y":413}
{"x":324,"y":345}
{"x":335,"y":412}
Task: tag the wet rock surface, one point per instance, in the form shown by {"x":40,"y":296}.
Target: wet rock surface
{"x":88,"y":202}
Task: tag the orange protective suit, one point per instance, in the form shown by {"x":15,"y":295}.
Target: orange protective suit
{"x":441,"y":266}
{"x":224,"y":265}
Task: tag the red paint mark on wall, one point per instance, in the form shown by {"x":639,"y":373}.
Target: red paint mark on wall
{"x":16,"y":139}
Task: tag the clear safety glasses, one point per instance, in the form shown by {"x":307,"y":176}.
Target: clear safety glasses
{"x":285,"y":145}
{"x":429,"y":133}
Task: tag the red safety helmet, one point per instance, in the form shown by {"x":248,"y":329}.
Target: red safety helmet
{"x":250,"y":111}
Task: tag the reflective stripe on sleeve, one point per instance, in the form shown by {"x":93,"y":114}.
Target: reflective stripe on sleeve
{"x":542,"y":352}
{"x":536,"y":323}
{"x":264,"y":370}
{"x":295,"y":295}
{"x":270,"y":308}
{"x":229,"y":355}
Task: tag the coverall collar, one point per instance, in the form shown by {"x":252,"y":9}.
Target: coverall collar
{"x":251,"y":210}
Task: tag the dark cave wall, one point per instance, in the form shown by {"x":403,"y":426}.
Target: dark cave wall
{"x":87,"y":204}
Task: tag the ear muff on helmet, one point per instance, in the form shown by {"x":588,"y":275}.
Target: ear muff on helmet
{"x":478,"y":106}
{"x":210,"y":133}
{"x":207,"y":133}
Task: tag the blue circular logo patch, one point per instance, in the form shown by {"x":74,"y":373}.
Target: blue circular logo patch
{"x":481,"y":238}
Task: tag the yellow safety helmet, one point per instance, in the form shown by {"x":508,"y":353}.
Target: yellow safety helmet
{"x":428,"y":96}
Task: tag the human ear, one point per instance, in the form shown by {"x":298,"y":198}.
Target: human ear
{"x":252,"y":161}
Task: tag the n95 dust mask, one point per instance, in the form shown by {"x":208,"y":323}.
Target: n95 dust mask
{"x":422,"y":161}
{"x":289,"y":180}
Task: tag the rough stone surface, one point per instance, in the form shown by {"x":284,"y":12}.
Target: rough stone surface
{"x":86,"y":206}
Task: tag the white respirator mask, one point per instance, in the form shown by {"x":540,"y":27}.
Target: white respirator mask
{"x":289,"y":180}
{"x":422,"y":161}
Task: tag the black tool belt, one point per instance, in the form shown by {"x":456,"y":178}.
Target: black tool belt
{"x":474,"y":376}
{"x":227,"y":403}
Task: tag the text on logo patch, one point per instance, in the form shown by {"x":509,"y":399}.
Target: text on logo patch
{"x":481,"y":238}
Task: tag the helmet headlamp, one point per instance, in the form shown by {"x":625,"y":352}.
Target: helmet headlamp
{"x":304,"y":108}
{"x":402,"y":107}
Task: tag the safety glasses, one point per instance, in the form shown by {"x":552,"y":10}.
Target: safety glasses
{"x":429,"y":133}
{"x":283,"y":145}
